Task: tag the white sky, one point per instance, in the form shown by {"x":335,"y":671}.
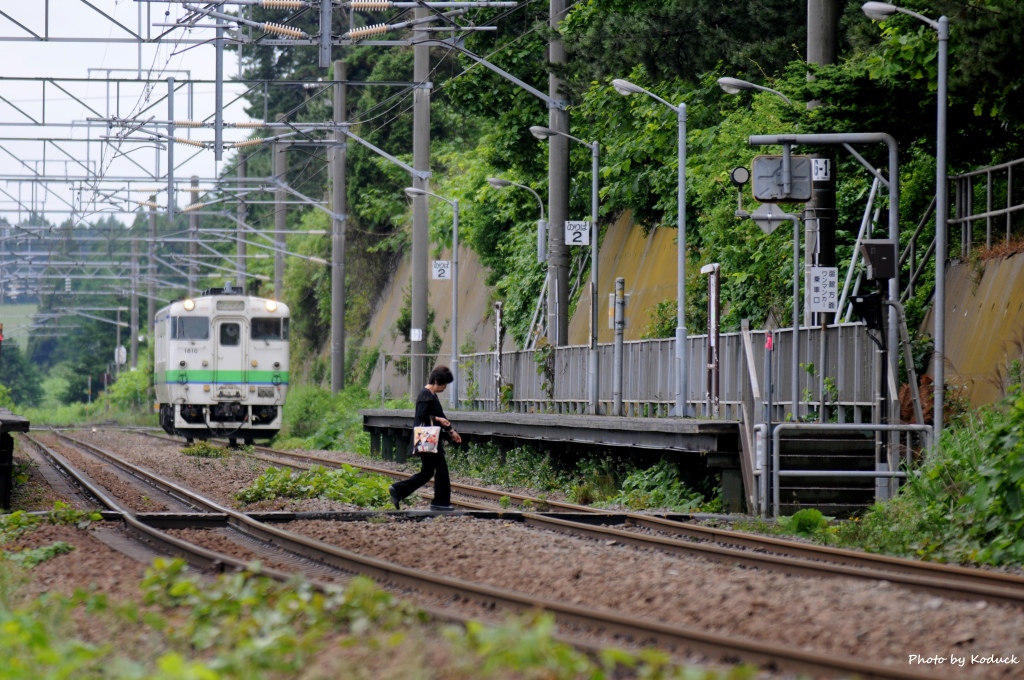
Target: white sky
{"x":29,"y":58}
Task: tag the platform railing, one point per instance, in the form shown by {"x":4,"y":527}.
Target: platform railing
{"x":838,"y":376}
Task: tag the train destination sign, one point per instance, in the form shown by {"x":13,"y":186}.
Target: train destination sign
{"x":577,"y":233}
{"x":442,"y":270}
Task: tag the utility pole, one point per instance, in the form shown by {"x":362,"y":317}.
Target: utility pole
{"x":338,"y":226}
{"x":820,"y":212}
{"x":420,"y":209}
{"x":193,"y":241}
{"x":280,"y":223}
{"x":239,"y":235}
{"x":134,"y":325}
{"x":558,"y":192}
{"x":151,"y":270}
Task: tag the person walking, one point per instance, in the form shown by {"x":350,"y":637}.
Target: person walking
{"x":429,"y":412}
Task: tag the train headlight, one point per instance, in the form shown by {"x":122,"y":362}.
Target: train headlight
{"x":271,"y":305}
{"x":189,"y":305}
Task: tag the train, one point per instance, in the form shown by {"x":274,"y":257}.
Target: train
{"x":221,"y":366}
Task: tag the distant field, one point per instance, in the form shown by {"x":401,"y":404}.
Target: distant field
{"x":16,"y":320}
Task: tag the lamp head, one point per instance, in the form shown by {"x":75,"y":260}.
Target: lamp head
{"x":541,"y":132}
{"x":734,"y":85}
{"x":498,"y":183}
{"x":624,"y":87}
{"x":413,"y":192}
{"x":879,"y":11}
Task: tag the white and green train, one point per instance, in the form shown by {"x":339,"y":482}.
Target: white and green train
{"x":221,"y":366}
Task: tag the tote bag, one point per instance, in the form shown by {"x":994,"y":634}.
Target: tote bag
{"x":425,"y":438}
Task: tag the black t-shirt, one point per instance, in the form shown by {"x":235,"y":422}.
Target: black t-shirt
{"x":427,"y":405}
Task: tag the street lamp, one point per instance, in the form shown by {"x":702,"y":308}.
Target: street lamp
{"x":542,"y":225}
{"x":592,"y":378}
{"x":879,"y":11}
{"x":624,"y":87}
{"x":413,"y":192}
{"x":735,"y":86}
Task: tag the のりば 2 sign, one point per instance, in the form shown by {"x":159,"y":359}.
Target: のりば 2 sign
{"x":442,"y":269}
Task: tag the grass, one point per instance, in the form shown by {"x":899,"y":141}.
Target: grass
{"x":246,"y":626}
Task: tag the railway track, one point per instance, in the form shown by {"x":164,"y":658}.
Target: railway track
{"x":716,"y":544}
{"x":570,"y":617}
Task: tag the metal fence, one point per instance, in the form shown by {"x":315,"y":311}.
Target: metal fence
{"x":838,"y":376}
{"x":997,"y":208}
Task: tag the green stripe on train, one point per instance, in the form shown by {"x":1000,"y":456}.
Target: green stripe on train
{"x":207,"y":376}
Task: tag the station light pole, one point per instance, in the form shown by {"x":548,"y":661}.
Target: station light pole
{"x":624,"y":87}
{"x":879,"y":11}
{"x":542,"y":243}
{"x":593,"y":378}
{"x":735,"y":86}
{"x":413,"y":192}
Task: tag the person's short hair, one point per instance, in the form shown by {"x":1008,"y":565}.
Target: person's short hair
{"x":441,"y":375}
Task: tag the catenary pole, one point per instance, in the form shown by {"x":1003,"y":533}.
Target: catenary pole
{"x":338,"y":227}
{"x":420,"y":209}
{"x":558,"y":190}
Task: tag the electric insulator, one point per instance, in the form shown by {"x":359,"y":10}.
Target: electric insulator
{"x":283,"y":4}
{"x":281,"y":29}
{"x":371,"y":4}
{"x":190,"y":142}
{"x":148,"y":204}
{"x":250,"y":142}
{"x":188,"y":123}
{"x":376,"y":29}
{"x":193,"y":206}
{"x":251,"y":124}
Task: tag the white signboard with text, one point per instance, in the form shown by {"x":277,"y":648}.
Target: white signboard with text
{"x":823,"y":290}
{"x":442,"y":270}
{"x":577,"y":233}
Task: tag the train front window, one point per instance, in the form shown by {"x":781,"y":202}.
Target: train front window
{"x":269,"y":329}
{"x":229,"y":335}
{"x":190,"y":328}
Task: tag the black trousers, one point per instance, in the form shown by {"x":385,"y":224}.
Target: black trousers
{"x":433,"y":465}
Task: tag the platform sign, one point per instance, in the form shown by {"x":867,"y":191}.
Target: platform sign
{"x":823,"y":290}
{"x":442,"y":270}
{"x":577,"y":233}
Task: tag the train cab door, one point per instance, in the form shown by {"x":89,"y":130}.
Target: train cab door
{"x":230,"y":360}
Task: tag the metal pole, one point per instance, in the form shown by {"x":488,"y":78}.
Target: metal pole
{"x":682,"y":344}
{"x":455,"y":304}
{"x":134,"y":319}
{"x":769,"y":387}
{"x":193,"y":241}
{"x":151,"y":269}
{"x":170,"y":148}
{"x":240,"y":245}
{"x":593,"y":382}
{"x":558,"y":190}
{"x":620,"y":325}
{"x":339,"y":225}
{"x":796,"y":318}
{"x":218,"y":106}
{"x":280,"y":216}
{"x":420,"y":208}
{"x":941,"y":230}
{"x":117,"y":347}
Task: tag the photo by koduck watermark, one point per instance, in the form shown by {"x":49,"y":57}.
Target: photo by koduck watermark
{"x":965,"y":660}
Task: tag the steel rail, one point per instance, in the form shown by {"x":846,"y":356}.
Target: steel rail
{"x":675,"y":637}
{"x":750,"y":549}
